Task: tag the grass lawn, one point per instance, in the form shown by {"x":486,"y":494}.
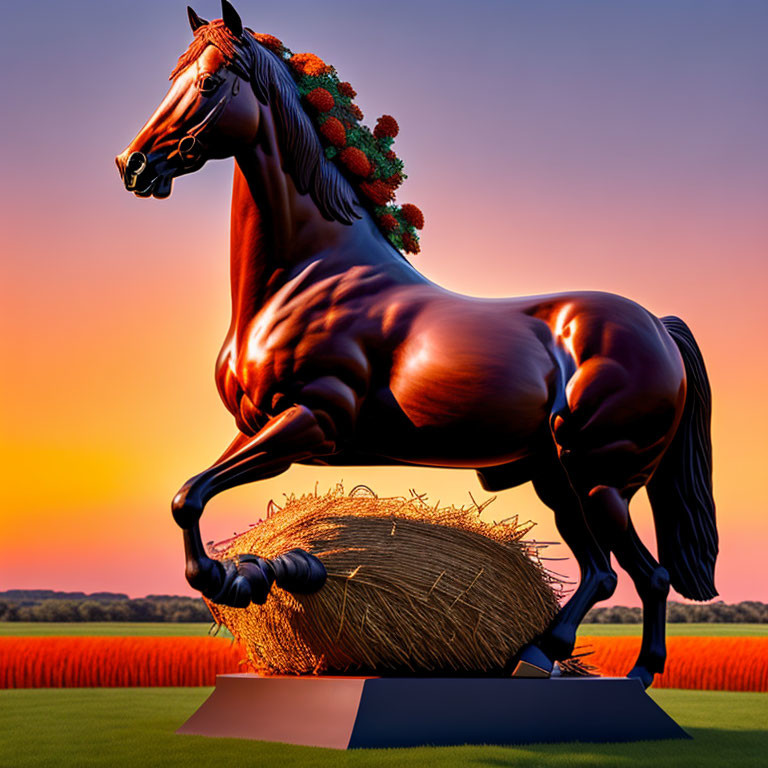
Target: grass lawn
{"x":169,"y":629}
{"x":135,"y":727}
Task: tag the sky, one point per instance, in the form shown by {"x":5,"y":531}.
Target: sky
{"x":552,"y":146}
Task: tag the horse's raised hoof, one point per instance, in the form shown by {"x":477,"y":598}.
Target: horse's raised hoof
{"x":298,"y":572}
{"x":533,"y":662}
{"x":642,"y":674}
{"x":249,"y":578}
{"x":244,"y":582}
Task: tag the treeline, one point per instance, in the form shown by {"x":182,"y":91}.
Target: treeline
{"x":47,"y":605}
{"x":747,"y":612}
{"x":30,"y":596}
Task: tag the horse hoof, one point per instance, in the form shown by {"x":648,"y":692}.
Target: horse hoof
{"x":244,"y":583}
{"x":533,"y":662}
{"x":249,"y":579}
{"x":298,"y":572}
{"x":642,"y":674}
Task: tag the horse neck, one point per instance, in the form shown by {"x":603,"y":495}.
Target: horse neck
{"x":275,"y":230}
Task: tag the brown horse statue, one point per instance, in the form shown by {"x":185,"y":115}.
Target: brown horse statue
{"x":340,"y":353}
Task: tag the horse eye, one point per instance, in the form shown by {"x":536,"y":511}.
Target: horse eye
{"x":208,"y":84}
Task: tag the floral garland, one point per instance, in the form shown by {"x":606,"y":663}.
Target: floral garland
{"x":367,"y":155}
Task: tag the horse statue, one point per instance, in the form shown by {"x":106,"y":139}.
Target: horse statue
{"x":340,"y":352}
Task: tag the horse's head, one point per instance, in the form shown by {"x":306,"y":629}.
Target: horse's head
{"x":205,"y":114}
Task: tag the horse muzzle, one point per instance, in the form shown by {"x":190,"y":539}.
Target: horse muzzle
{"x":139,"y":177}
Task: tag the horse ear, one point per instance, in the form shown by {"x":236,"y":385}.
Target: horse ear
{"x":231,"y":18}
{"x":194,"y":20}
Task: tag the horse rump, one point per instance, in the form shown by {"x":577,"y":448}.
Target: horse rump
{"x":680,"y":491}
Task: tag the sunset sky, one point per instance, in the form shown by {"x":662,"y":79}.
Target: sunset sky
{"x":551,"y":145}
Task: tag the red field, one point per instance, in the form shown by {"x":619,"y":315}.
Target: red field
{"x":713,"y":663}
{"x":77,"y":662}
{"x":706,"y":663}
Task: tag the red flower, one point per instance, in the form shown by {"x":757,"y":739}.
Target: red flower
{"x":356,"y":111}
{"x":413,"y":215}
{"x":391,"y":155}
{"x":386,"y":125}
{"x":334,"y":131}
{"x":309,"y":64}
{"x":395,"y":180}
{"x":269,"y":41}
{"x":356,"y":161}
{"x":378,"y":191}
{"x":346,"y":89}
{"x":320,"y":99}
{"x":410,"y":243}
{"x":388,"y":222}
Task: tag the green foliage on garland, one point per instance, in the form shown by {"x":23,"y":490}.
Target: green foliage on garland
{"x":366,"y":155}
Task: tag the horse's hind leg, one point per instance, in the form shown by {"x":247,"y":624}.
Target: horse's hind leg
{"x":607,"y":515}
{"x":651,"y":581}
{"x":597,"y":579}
{"x":609,"y":436}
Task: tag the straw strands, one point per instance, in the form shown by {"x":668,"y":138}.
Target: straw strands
{"x":412,"y":588}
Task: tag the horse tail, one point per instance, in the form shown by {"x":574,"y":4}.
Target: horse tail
{"x":680,"y":491}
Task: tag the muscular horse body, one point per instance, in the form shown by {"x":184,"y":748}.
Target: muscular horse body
{"x":339,"y":352}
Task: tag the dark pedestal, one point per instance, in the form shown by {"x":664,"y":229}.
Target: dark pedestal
{"x":351,"y":712}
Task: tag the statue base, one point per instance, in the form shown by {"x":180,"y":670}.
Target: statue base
{"x":355,"y":712}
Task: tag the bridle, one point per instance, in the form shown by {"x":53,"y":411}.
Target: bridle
{"x":190,"y":148}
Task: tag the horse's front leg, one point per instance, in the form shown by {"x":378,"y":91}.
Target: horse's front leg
{"x":292,"y":436}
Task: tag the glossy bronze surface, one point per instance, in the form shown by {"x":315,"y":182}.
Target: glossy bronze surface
{"x":340,"y":352}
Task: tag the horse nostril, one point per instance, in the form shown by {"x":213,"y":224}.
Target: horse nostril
{"x":137,"y":162}
{"x":187,"y":144}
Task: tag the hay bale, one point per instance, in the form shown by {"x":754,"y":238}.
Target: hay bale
{"x":411,"y":588}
